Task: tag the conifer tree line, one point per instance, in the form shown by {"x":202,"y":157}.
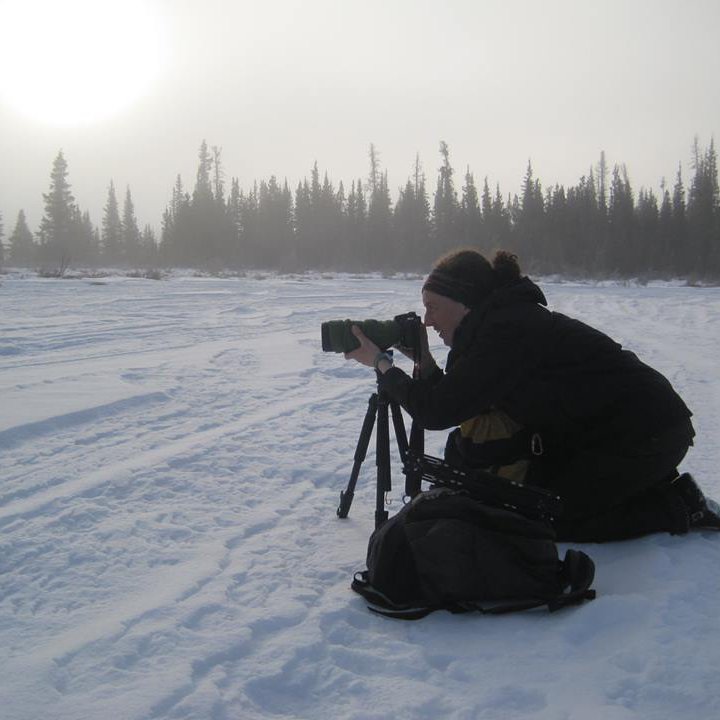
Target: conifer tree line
{"x":597,"y":228}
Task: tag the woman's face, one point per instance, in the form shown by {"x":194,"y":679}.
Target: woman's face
{"x":443,"y":314}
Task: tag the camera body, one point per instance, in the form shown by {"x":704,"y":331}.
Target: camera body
{"x":402,"y":330}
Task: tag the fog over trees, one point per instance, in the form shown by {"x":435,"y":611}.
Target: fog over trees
{"x":600,"y":227}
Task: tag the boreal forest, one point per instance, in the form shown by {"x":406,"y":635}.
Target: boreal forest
{"x":599,"y":228}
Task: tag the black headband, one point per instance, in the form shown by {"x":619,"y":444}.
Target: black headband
{"x":462,"y":291}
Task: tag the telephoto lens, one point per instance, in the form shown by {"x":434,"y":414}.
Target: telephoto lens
{"x":337,"y":335}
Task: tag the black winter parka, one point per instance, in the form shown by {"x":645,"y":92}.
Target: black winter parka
{"x":554,"y":375}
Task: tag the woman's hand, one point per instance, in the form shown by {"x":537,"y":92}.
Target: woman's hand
{"x":427,"y":362}
{"x":409,"y":352}
{"x":368,"y":350}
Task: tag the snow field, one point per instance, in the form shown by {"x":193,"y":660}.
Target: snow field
{"x":172,"y":457}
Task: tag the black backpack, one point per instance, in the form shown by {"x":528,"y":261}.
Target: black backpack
{"x":447,"y":550}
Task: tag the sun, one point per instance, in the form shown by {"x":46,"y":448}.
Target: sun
{"x":76,"y":62}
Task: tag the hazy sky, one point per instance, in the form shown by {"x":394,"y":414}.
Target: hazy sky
{"x":281,"y":84}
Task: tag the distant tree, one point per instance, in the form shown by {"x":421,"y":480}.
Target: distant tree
{"x":56,"y":226}
{"x":374,"y":175}
{"x":528,"y":219}
{"x":679,"y":256}
{"x":602,"y":174}
{"x":356,"y":227}
{"x":404,"y":220}
{"x":111,"y":238}
{"x":148,"y":248}
{"x":496,"y":219}
{"x":665,"y":260}
{"x":380,"y":254}
{"x":486,"y":211}
{"x":235,"y":222}
{"x":702,"y":213}
{"x":445,"y":210}
{"x":423,"y":250}
{"x":218,"y":184}
{"x":180,"y":199}
{"x":582,"y":245}
{"x":203,"y":186}
{"x":274,"y":224}
{"x":249,"y":227}
{"x":330,"y":219}
{"x":199,"y":230}
{"x":558,"y":232}
{"x":649,"y":256}
{"x":302,"y":222}
{"x":411,"y":222}
{"x":471,"y":229}
{"x":165,"y":246}
{"x":22,"y":244}
{"x":621,"y":254}
{"x":85,"y":237}
{"x":130,"y":232}
{"x":383,"y":254}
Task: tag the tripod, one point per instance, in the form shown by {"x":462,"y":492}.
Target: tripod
{"x":378,"y":405}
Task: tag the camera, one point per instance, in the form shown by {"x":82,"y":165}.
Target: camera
{"x":402,"y":330}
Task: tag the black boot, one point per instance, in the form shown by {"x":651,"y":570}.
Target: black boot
{"x":703,"y":513}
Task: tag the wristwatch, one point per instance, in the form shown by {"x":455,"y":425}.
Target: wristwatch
{"x":382,"y":356}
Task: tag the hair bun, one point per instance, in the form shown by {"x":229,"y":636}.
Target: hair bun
{"x":506,"y":267}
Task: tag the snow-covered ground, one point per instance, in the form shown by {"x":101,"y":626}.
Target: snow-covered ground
{"x":171,"y":457}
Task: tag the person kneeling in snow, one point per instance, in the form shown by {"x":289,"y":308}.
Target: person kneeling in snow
{"x":545,"y":399}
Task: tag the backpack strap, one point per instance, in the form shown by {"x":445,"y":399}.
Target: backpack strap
{"x":577,"y":572}
{"x":381,"y":604}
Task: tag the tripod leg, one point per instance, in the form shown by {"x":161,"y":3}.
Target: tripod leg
{"x":413,"y":478}
{"x":400,"y":433}
{"x":382,"y":459}
{"x":416,"y":446}
{"x":346,"y":497}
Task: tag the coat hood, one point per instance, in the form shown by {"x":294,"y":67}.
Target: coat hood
{"x":521,"y":292}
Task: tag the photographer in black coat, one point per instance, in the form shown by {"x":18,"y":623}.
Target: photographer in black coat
{"x":545,"y":399}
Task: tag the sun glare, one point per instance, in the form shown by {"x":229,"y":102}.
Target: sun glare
{"x":75,"y":62}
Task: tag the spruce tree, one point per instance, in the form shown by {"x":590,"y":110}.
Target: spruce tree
{"x":648,"y":250}
{"x":528,"y":219}
{"x":234,"y":217}
{"x":112,"y":231}
{"x":249,"y":226}
{"x":445,"y":213}
{"x":22,"y":244}
{"x":702,"y":213}
{"x":621,"y":257}
{"x":302,"y":223}
{"x":56,"y":225}
{"x":356,"y":228}
{"x":602,"y":173}
{"x":130,"y":232}
{"x":274,"y":224}
{"x":557,"y":230}
{"x":470,"y":213}
{"x":85,"y":237}
{"x":148,"y":247}
{"x":679,"y":256}
{"x":203,"y":186}
{"x":411,"y":223}
{"x":665,"y":261}
{"x":383,"y":255}
{"x":218,"y":184}
{"x":165,"y":247}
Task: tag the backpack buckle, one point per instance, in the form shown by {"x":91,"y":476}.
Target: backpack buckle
{"x":536,"y":445}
